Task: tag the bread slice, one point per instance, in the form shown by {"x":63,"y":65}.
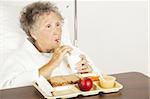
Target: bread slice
{"x":63,"y":80}
{"x":71,"y":79}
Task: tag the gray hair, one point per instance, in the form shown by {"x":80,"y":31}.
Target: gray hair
{"x":31,"y":13}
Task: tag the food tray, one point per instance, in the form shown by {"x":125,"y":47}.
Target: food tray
{"x":70,"y":91}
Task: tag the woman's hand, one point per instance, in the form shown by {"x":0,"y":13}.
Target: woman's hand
{"x":59,"y":54}
{"x":55,"y":61}
{"x":83,"y":66}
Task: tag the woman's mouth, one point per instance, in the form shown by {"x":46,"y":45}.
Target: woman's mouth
{"x":57,"y":40}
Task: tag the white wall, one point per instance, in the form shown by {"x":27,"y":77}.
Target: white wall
{"x":114,"y":34}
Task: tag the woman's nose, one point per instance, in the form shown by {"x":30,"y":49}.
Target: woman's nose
{"x":57,"y":33}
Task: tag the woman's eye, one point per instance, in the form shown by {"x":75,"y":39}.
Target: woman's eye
{"x":57,"y":24}
{"x":48,"y":26}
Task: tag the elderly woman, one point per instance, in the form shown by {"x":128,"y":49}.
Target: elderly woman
{"x":42,"y":54}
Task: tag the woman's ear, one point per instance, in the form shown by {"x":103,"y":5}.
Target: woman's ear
{"x":33,"y":35}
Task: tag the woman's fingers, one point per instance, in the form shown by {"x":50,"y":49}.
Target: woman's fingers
{"x":59,"y":53}
{"x":62,"y":48}
{"x":65,"y":51}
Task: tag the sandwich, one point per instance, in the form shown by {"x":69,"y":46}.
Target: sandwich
{"x":63,"y":80}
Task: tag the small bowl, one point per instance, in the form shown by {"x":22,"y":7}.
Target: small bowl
{"x":107,"y":82}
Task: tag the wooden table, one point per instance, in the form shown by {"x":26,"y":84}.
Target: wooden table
{"x":136,"y":86}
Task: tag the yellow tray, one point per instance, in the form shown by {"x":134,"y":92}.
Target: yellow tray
{"x":74,"y":91}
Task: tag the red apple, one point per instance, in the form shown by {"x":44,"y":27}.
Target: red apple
{"x":85,"y":84}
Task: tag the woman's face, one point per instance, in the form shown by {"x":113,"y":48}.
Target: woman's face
{"x":47,"y":31}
